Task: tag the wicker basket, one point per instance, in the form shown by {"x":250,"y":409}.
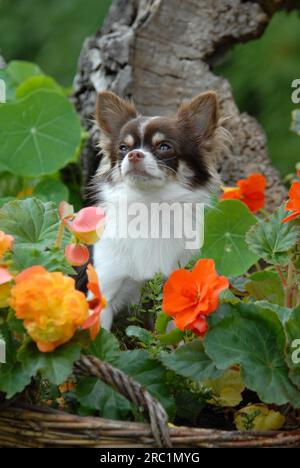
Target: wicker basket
{"x":22,"y":425}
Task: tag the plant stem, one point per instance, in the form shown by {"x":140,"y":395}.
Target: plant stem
{"x":257,"y":266}
{"x":60,"y":234}
{"x":278,"y":269}
{"x":290,"y":287}
{"x":265,"y":213}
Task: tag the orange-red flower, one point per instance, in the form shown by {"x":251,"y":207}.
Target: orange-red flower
{"x":189,"y":296}
{"x":250,"y":191}
{"x":293,"y":203}
{"x":96,"y":303}
{"x":49,"y":304}
{"x":6,"y":242}
{"x":77,"y":254}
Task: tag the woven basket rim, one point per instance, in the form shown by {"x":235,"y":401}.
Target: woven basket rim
{"x":27,"y":425}
{"x":40,"y":418}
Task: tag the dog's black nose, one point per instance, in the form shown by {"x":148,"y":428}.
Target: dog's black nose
{"x":135,"y":156}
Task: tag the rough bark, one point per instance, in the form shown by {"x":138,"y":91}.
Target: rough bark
{"x":160,"y":52}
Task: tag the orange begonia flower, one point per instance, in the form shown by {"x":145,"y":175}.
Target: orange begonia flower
{"x":189,"y":296}
{"x":6,"y":242}
{"x":49,"y":304}
{"x":250,"y":191}
{"x":77,"y":254}
{"x":293,"y":203}
{"x":5,"y":287}
{"x":96,"y":304}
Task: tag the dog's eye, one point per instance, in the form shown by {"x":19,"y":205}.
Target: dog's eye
{"x":123,"y":148}
{"x":165,"y":147}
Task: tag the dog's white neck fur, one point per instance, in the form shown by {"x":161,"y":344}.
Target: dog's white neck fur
{"x":123,"y":265}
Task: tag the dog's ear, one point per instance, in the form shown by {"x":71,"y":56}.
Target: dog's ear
{"x":201,"y":114}
{"x":113,"y":112}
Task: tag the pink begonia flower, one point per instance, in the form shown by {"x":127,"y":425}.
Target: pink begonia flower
{"x":88,"y":224}
{"x":77,"y":254}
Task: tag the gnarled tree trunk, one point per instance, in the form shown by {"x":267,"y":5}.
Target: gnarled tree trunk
{"x":160,"y":52}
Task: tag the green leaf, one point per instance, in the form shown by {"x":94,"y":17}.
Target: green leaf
{"x":39,"y":134}
{"x":37,"y":82}
{"x":266,"y":285}
{"x":95,"y":394}
{"x":105,"y":347}
{"x":20,"y":70}
{"x":52,"y":260}
{"x":292,"y":329}
{"x":148,"y":372}
{"x":56,"y":366}
{"x":144,"y":336}
{"x":13,"y":376}
{"x":191,"y":361}
{"x":283,"y":313}
{"x":15,"y":73}
{"x":9,"y":85}
{"x":5,"y":200}
{"x":32,"y":223}
{"x":252,"y":336}
{"x":296,"y":121}
{"x":161,"y":322}
{"x":51,"y":190}
{"x":271,"y":239}
{"x":173,"y":337}
{"x":10,"y":185}
{"x":13,"y":379}
{"x":15,"y":325}
{"x":224,"y":237}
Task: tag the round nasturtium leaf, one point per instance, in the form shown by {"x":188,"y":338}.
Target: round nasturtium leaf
{"x":224,"y":237}
{"x":16,"y":72}
{"x":38,"y":134}
{"x":37,"y":82}
{"x":20,"y":70}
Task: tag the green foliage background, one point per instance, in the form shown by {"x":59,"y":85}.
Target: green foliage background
{"x":261,"y":73}
{"x":51,"y":33}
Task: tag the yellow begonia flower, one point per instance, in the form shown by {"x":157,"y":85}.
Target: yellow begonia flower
{"x":258,"y":417}
{"x":227,"y":389}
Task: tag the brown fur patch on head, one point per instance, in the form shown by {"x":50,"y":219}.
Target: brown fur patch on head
{"x":111,"y":114}
{"x":200,"y":121}
{"x":201,"y":114}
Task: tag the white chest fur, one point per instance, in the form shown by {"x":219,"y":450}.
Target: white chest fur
{"x":124,"y":260}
